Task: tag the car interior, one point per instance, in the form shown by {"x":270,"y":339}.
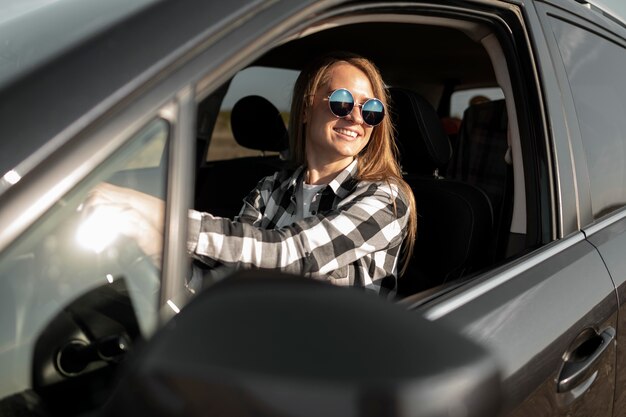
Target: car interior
{"x":466,"y":169}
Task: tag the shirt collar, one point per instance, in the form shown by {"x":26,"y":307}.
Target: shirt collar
{"x":341,"y":185}
{"x":292,"y":183}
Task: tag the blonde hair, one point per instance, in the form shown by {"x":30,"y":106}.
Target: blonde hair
{"x":378,"y":160}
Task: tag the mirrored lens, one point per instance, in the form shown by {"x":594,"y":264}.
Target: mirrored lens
{"x":341,"y":102}
{"x":373,"y":111}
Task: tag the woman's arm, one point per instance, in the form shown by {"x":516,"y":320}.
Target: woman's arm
{"x":364,"y":223}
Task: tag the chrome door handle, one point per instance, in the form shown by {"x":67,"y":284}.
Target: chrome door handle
{"x":579,"y":363}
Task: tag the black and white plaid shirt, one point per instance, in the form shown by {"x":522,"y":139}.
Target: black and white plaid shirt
{"x":353,"y":238}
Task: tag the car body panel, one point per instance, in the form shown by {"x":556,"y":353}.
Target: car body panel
{"x":609,"y":236}
{"x":60,"y":25}
{"x":527,"y":317}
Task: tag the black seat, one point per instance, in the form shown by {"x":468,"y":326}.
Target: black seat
{"x":256,"y":124}
{"x":252,"y":112}
{"x":482,"y":158}
{"x":455,"y":219}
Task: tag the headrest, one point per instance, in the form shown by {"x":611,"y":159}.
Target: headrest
{"x":423,"y":143}
{"x":489,"y":115}
{"x":257,"y":124}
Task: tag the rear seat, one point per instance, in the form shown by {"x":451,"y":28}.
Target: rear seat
{"x":481,"y":158}
{"x":455,"y":219}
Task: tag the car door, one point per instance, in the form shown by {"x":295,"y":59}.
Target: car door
{"x":540,"y":317}
{"x":72,"y":283}
{"x":64,"y":288}
{"x":594,"y":64}
{"x":549,"y":316}
{"x":609,"y":236}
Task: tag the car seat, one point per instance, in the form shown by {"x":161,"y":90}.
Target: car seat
{"x":482,"y":158}
{"x":256,"y":124}
{"x":455,"y":219}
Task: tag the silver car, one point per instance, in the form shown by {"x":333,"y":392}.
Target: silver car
{"x":510,"y":121}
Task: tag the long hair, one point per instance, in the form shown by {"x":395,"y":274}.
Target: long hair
{"x":378,"y":160}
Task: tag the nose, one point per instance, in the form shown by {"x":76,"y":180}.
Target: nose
{"x":355,"y":115}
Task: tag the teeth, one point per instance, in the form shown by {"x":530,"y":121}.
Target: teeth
{"x":347,"y":132}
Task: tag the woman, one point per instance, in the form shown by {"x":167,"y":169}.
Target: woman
{"x":343,"y":214}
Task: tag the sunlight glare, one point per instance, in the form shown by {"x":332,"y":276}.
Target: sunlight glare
{"x":99,"y":229}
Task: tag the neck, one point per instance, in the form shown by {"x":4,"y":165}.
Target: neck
{"x":324,"y":174}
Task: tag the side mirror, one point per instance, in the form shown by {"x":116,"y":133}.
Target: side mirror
{"x":267,"y":344}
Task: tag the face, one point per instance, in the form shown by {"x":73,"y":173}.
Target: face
{"x":333,"y":140}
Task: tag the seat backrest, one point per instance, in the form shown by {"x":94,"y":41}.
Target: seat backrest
{"x":454,"y":218}
{"x":256,"y":124}
{"x":253,"y":112}
{"x":482,"y":158}
{"x":424,"y":148}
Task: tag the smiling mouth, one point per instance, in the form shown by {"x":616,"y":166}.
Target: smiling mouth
{"x":347,"y":132}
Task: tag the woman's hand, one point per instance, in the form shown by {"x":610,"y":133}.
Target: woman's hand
{"x":132,"y":213}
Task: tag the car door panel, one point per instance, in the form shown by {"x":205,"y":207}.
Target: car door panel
{"x":609,"y":236}
{"x":532,"y":314}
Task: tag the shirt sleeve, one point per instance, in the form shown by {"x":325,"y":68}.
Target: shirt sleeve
{"x":364,"y":222}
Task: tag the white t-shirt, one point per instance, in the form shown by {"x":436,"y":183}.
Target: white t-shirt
{"x":305,"y":197}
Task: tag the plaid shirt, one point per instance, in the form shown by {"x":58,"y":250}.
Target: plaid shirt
{"x":352,"y":239}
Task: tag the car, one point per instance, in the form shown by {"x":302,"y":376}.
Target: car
{"x":510,"y":126}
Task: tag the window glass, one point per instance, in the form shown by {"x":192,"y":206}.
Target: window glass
{"x":68,"y":254}
{"x":596,"y":69}
{"x":274,"y":84}
{"x":151,"y":156}
{"x":461,"y":100}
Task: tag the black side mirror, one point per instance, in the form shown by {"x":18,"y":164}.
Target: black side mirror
{"x":267,"y":344}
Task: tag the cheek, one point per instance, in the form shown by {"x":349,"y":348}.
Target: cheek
{"x":368,"y":135}
{"x":366,"y":139}
{"x":321,"y":122}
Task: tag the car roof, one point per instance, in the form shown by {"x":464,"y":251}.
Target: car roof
{"x":34,"y":31}
{"x":614,"y":9}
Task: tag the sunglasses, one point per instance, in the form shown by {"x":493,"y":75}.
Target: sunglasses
{"x":341,"y":103}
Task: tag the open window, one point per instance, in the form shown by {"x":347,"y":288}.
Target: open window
{"x":497,"y":149}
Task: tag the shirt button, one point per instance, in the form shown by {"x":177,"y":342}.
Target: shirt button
{"x":314,"y":212}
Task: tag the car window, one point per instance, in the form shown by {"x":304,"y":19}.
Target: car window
{"x":150,"y":156}
{"x":462,"y":99}
{"x":595,"y":68}
{"x":69,"y":253}
{"x":492,"y":136}
{"x":274,"y":84}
